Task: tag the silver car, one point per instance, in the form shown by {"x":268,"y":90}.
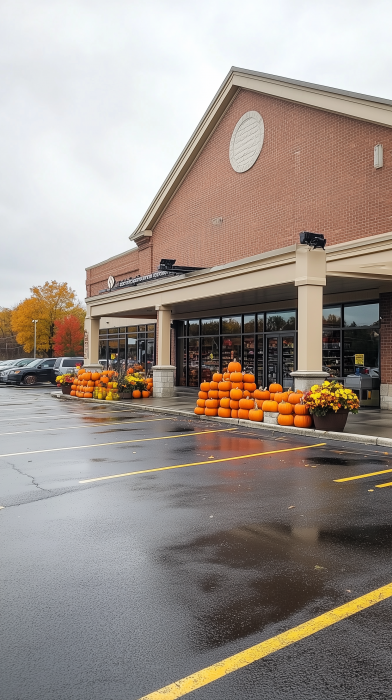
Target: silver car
{"x":12,"y":364}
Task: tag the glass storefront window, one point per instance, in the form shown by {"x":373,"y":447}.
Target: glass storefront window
{"x":132,"y":329}
{"x":210,"y":326}
{"x":151,"y":327}
{"x":260,"y":323}
{"x":231,"y":350}
{"x":141,"y":329}
{"x":209,"y":357}
{"x":181,"y":329}
{"x":272,"y":360}
{"x":281,"y":321}
{"x":287,"y":360}
{"x":260,"y":360}
{"x":103,"y":351}
{"x":364,"y":342}
{"x":150,"y":355}
{"x":331,"y":352}
{"x":113,"y":331}
{"x":113,"y":353}
{"x":193,"y":362}
{"x":121,"y":355}
{"x":362,"y":315}
{"x":132,"y":350}
{"x":249,"y":353}
{"x":231,"y":324}
{"x":194,"y":327}
{"x":181,"y":361}
{"x":249,"y":324}
{"x":332,"y":316}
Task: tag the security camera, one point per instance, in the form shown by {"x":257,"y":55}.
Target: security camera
{"x":314,"y":240}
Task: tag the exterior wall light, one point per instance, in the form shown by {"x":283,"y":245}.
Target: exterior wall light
{"x":314,"y":240}
{"x":378,"y":156}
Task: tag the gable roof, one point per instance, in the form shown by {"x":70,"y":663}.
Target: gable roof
{"x":375,"y":110}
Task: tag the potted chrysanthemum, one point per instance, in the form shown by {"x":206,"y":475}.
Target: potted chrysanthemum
{"x":330,"y":403}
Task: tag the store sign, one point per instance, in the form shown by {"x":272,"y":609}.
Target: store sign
{"x":359,"y":360}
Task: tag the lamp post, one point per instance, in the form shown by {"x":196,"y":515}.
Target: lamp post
{"x":35,"y":321}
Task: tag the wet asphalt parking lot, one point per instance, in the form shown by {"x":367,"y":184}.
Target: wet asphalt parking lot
{"x":114,"y":588}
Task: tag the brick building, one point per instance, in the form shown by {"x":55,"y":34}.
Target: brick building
{"x":270,"y":158}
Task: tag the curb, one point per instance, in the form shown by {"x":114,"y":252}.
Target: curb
{"x":305,"y":432}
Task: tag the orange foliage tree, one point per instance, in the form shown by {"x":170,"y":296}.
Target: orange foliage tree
{"x":48,"y":303}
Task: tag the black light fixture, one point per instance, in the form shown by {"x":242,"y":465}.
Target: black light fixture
{"x":166,"y":264}
{"x":314,"y":240}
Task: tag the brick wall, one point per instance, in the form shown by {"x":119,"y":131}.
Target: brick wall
{"x":386,"y":337}
{"x":315,"y":172}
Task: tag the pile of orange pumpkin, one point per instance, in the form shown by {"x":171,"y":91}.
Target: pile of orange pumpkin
{"x":234,"y":394}
{"x":85,"y":382}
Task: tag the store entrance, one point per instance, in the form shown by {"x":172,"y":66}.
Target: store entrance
{"x":280,"y":351}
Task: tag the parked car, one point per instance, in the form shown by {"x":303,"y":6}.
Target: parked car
{"x":6,"y":367}
{"x":37,"y":371}
{"x":63,"y":365}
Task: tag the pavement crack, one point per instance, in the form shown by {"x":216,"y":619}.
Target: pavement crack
{"x":29,"y":476}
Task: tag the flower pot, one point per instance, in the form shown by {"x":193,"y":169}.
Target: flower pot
{"x":66,"y":388}
{"x":125,"y":395}
{"x":332,"y":421}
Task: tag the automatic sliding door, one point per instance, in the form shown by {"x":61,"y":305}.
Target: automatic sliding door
{"x":287,"y":360}
{"x":272,"y":359}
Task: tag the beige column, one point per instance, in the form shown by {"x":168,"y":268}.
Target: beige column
{"x":310,"y":279}
{"x":163,"y":372}
{"x":91,"y":342}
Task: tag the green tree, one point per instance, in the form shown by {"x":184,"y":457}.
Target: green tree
{"x":47,"y":303}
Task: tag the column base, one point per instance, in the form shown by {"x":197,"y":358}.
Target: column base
{"x":89,"y":367}
{"x":163,"y":376}
{"x":304,"y":379}
{"x":386,"y":397}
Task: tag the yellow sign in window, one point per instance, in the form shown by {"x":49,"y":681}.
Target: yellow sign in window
{"x":360,"y":360}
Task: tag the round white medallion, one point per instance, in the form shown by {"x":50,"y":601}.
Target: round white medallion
{"x":246,"y":141}
{"x":111,"y":282}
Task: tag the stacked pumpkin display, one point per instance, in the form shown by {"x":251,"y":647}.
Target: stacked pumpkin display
{"x":286,"y":406}
{"x":230,"y":395}
{"x":87,"y":383}
{"x":234,"y":394}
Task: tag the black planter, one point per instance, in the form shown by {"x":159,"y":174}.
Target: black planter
{"x":125,"y":395}
{"x":332,"y":421}
{"x":66,"y":388}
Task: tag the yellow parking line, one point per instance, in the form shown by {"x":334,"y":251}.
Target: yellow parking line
{"x":259,"y":651}
{"x":89,"y":425}
{"x":119,"y":442}
{"x":194,"y":464}
{"x":363,"y":476}
{"x":381,"y":486}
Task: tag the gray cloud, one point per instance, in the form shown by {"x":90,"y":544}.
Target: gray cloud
{"x":98,"y":98}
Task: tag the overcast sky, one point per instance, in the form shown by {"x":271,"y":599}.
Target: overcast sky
{"x":98,"y":98}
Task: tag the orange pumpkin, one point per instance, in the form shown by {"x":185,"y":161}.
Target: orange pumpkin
{"x":243,"y":413}
{"x":136,"y":394}
{"x":201,"y":403}
{"x":278,"y":396}
{"x":111,"y":373}
{"x":145,"y":394}
{"x":205,"y":386}
{"x":270,"y":406}
{"x":234,"y":413}
{"x":246,"y":394}
{"x":203,"y":395}
{"x":236,"y":394}
{"x":212,"y":403}
{"x":217,"y":377}
{"x":199,"y":411}
{"x":90,"y":382}
{"x":234,"y":405}
{"x":285,"y":419}
{"x":88,"y":395}
{"x":275,"y":387}
{"x":224,"y":394}
{"x":105,"y":380}
{"x":224,"y":386}
{"x":256,"y":414}
{"x":247,"y":404}
{"x":295,"y":397}
{"x":249,"y":378}
{"x":285,"y":408}
{"x":213,"y":394}
{"x":95,"y":376}
{"x":224,"y":412}
{"x":226,"y":376}
{"x":96,"y":383}
{"x":301,"y":410}
{"x":237,"y":385}
{"x":234,"y":367}
{"x":262,"y":394}
{"x":225,"y":402}
{"x":236,"y":377}
{"x":303,"y":421}
{"x":211,"y":411}
{"x":73,"y":392}
{"x":87,"y":376}
{"x":214,"y":385}
{"x":249,"y":386}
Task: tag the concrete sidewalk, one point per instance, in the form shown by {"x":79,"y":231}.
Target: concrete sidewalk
{"x":369,"y":426}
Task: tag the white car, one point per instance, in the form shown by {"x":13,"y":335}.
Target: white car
{"x":11,"y":364}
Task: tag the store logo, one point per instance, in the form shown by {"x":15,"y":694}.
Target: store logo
{"x":246,"y":141}
{"x":111,"y":282}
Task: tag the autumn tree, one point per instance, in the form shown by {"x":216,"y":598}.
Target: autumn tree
{"x":48,"y":303}
{"x":68,"y":337}
{"x":5,"y":323}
